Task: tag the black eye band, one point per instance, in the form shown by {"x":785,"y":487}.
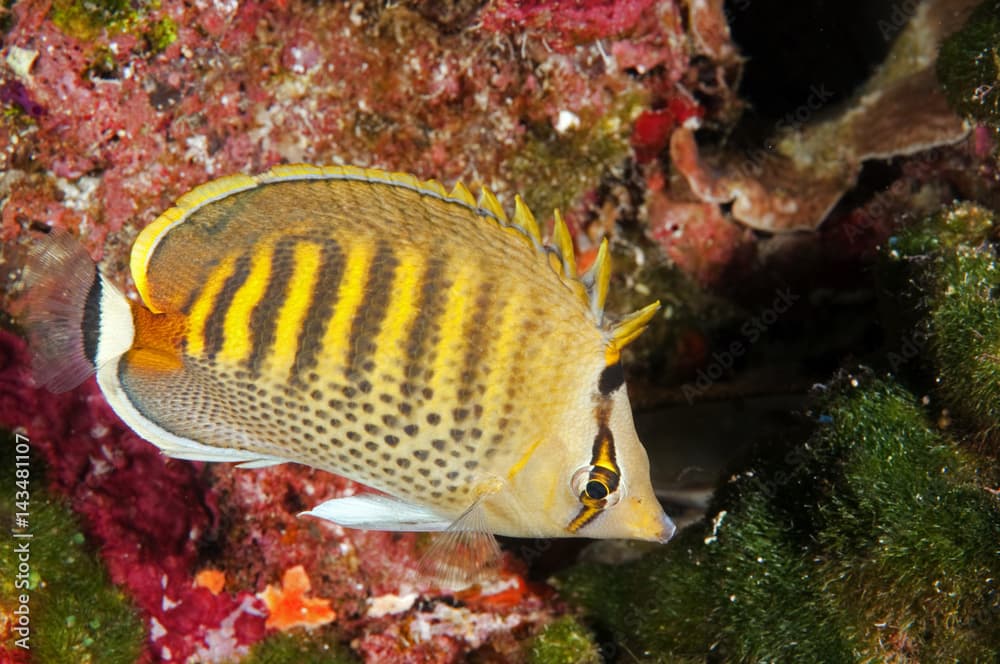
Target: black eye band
{"x":611,"y":379}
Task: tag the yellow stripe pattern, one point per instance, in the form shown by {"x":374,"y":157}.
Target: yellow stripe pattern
{"x":203,"y":306}
{"x":298,"y":297}
{"x":401,"y":309}
{"x":237,"y":346}
{"x":350,"y":297}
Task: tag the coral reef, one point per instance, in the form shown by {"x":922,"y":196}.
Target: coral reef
{"x":146,"y":515}
{"x":888,"y":486}
{"x":794,"y":182}
{"x":630,"y":117}
{"x":113,"y":109}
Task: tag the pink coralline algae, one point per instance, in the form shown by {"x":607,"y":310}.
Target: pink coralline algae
{"x":568,"y":22}
{"x":109,"y":130}
{"x":146,"y":514}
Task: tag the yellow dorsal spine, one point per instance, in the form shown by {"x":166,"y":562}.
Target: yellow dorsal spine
{"x":462,"y":194}
{"x":525,"y":220}
{"x":627,"y":329}
{"x":564,"y":243}
{"x":489,"y":202}
{"x":598,"y":279}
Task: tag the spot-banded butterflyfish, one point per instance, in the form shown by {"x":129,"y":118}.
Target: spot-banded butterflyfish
{"x":369,"y":324}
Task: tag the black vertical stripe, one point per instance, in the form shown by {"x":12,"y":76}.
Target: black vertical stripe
{"x":324,"y":298}
{"x":90,"y":326}
{"x":476,"y":336}
{"x":264,"y":317}
{"x":430,"y":305}
{"x":373,"y":309}
{"x":214,"y":332}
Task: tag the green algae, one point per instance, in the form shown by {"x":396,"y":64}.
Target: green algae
{"x":88,"y":20}
{"x":76,"y":615}
{"x":968,"y":66}
{"x":909,"y":506}
{"x":294,"y":648}
{"x":951,"y":260}
{"x":564,"y":641}
{"x":961,"y":224}
{"x":160,"y":34}
{"x":876,"y":539}
{"x":794,"y":563}
{"x":965,"y":338}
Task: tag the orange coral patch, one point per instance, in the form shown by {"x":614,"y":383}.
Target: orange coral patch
{"x":212,"y":579}
{"x":289,"y":607}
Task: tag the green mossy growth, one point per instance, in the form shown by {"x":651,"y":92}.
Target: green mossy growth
{"x":962,"y":224}
{"x":160,"y":34}
{"x":87,"y":19}
{"x":76,"y":616}
{"x":6,"y":16}
{"x":564,"y":641}
{"x":909,"y":505}
{"x":874,"y":541}
{"x":955,"y":267}
{"x":320,"y":647}
{"x":965,"y":338}
{"x":968,"y":66}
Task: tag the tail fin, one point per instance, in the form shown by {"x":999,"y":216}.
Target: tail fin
{"x":75,"y":319}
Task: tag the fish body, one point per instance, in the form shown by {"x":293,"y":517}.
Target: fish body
{"x":371,"y":325}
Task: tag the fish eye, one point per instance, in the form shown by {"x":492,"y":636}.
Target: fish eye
{"x":596,"y":483}
{"x":596,"y":490}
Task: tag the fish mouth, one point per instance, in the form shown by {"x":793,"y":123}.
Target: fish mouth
{"x":667,"y":529}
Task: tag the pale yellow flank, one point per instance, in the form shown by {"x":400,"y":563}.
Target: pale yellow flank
{"x":452,"y":340}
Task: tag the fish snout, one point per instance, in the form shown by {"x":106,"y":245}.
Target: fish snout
{"x":647,"y":521}
{"x":667,"y":529}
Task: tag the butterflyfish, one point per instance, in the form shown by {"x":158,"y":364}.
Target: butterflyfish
{"x":369,"y":324}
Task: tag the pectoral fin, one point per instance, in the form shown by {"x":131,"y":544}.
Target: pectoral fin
{"x":464,"y":554}
{"x":373,"y":511}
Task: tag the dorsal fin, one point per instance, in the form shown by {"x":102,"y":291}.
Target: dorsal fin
{"x":591,"y":288}
{"x":597,"y":279}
